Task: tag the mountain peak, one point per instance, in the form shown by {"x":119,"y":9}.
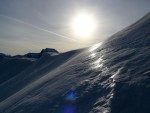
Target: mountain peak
{"x":50,"y":51}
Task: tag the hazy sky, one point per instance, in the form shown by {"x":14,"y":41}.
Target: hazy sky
{"x":30,"y":25}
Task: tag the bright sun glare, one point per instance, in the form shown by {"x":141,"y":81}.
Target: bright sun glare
{"x":83,"y":25}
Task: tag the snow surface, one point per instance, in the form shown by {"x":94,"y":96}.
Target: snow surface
{"x":109,"y":77}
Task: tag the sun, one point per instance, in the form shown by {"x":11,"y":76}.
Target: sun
{"x":83,"y":25}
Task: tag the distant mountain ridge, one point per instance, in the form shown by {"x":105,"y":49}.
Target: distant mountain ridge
{"x":50,"y":51}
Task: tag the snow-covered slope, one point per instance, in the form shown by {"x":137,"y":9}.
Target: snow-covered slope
{"x":11,"y":66}
{"x":113,"y":77}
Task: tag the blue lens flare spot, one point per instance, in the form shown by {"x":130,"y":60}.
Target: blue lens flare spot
{"x":71,"y":96}
{"x":69,"y":109}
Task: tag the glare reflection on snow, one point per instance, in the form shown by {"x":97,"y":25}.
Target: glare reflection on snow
{"x":112,"y":85}
{"x":115,"y":74}
{"x":98,"y":63}
{"x":93,"y":55}
{"x":95,"y":47}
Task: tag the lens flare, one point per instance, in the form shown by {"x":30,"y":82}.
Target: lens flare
{"x":69,"y":109}
{"x":71,"y":96}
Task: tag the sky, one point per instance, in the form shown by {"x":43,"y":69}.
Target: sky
{"x":31,"y":25}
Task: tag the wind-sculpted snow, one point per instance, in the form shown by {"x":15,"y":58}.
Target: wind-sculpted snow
{"x":112,"y":77}
{"x":79,"y":75}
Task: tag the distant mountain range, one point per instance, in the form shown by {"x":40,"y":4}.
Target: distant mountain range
{"x":50,"y":51}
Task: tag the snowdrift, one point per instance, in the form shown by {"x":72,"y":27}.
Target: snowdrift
{"x":113,"y":77}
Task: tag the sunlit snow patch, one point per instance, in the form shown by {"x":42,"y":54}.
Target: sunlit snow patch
{"x":97,"y":64}
{"x":95,"y":47}
{"x":93,"y":55}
